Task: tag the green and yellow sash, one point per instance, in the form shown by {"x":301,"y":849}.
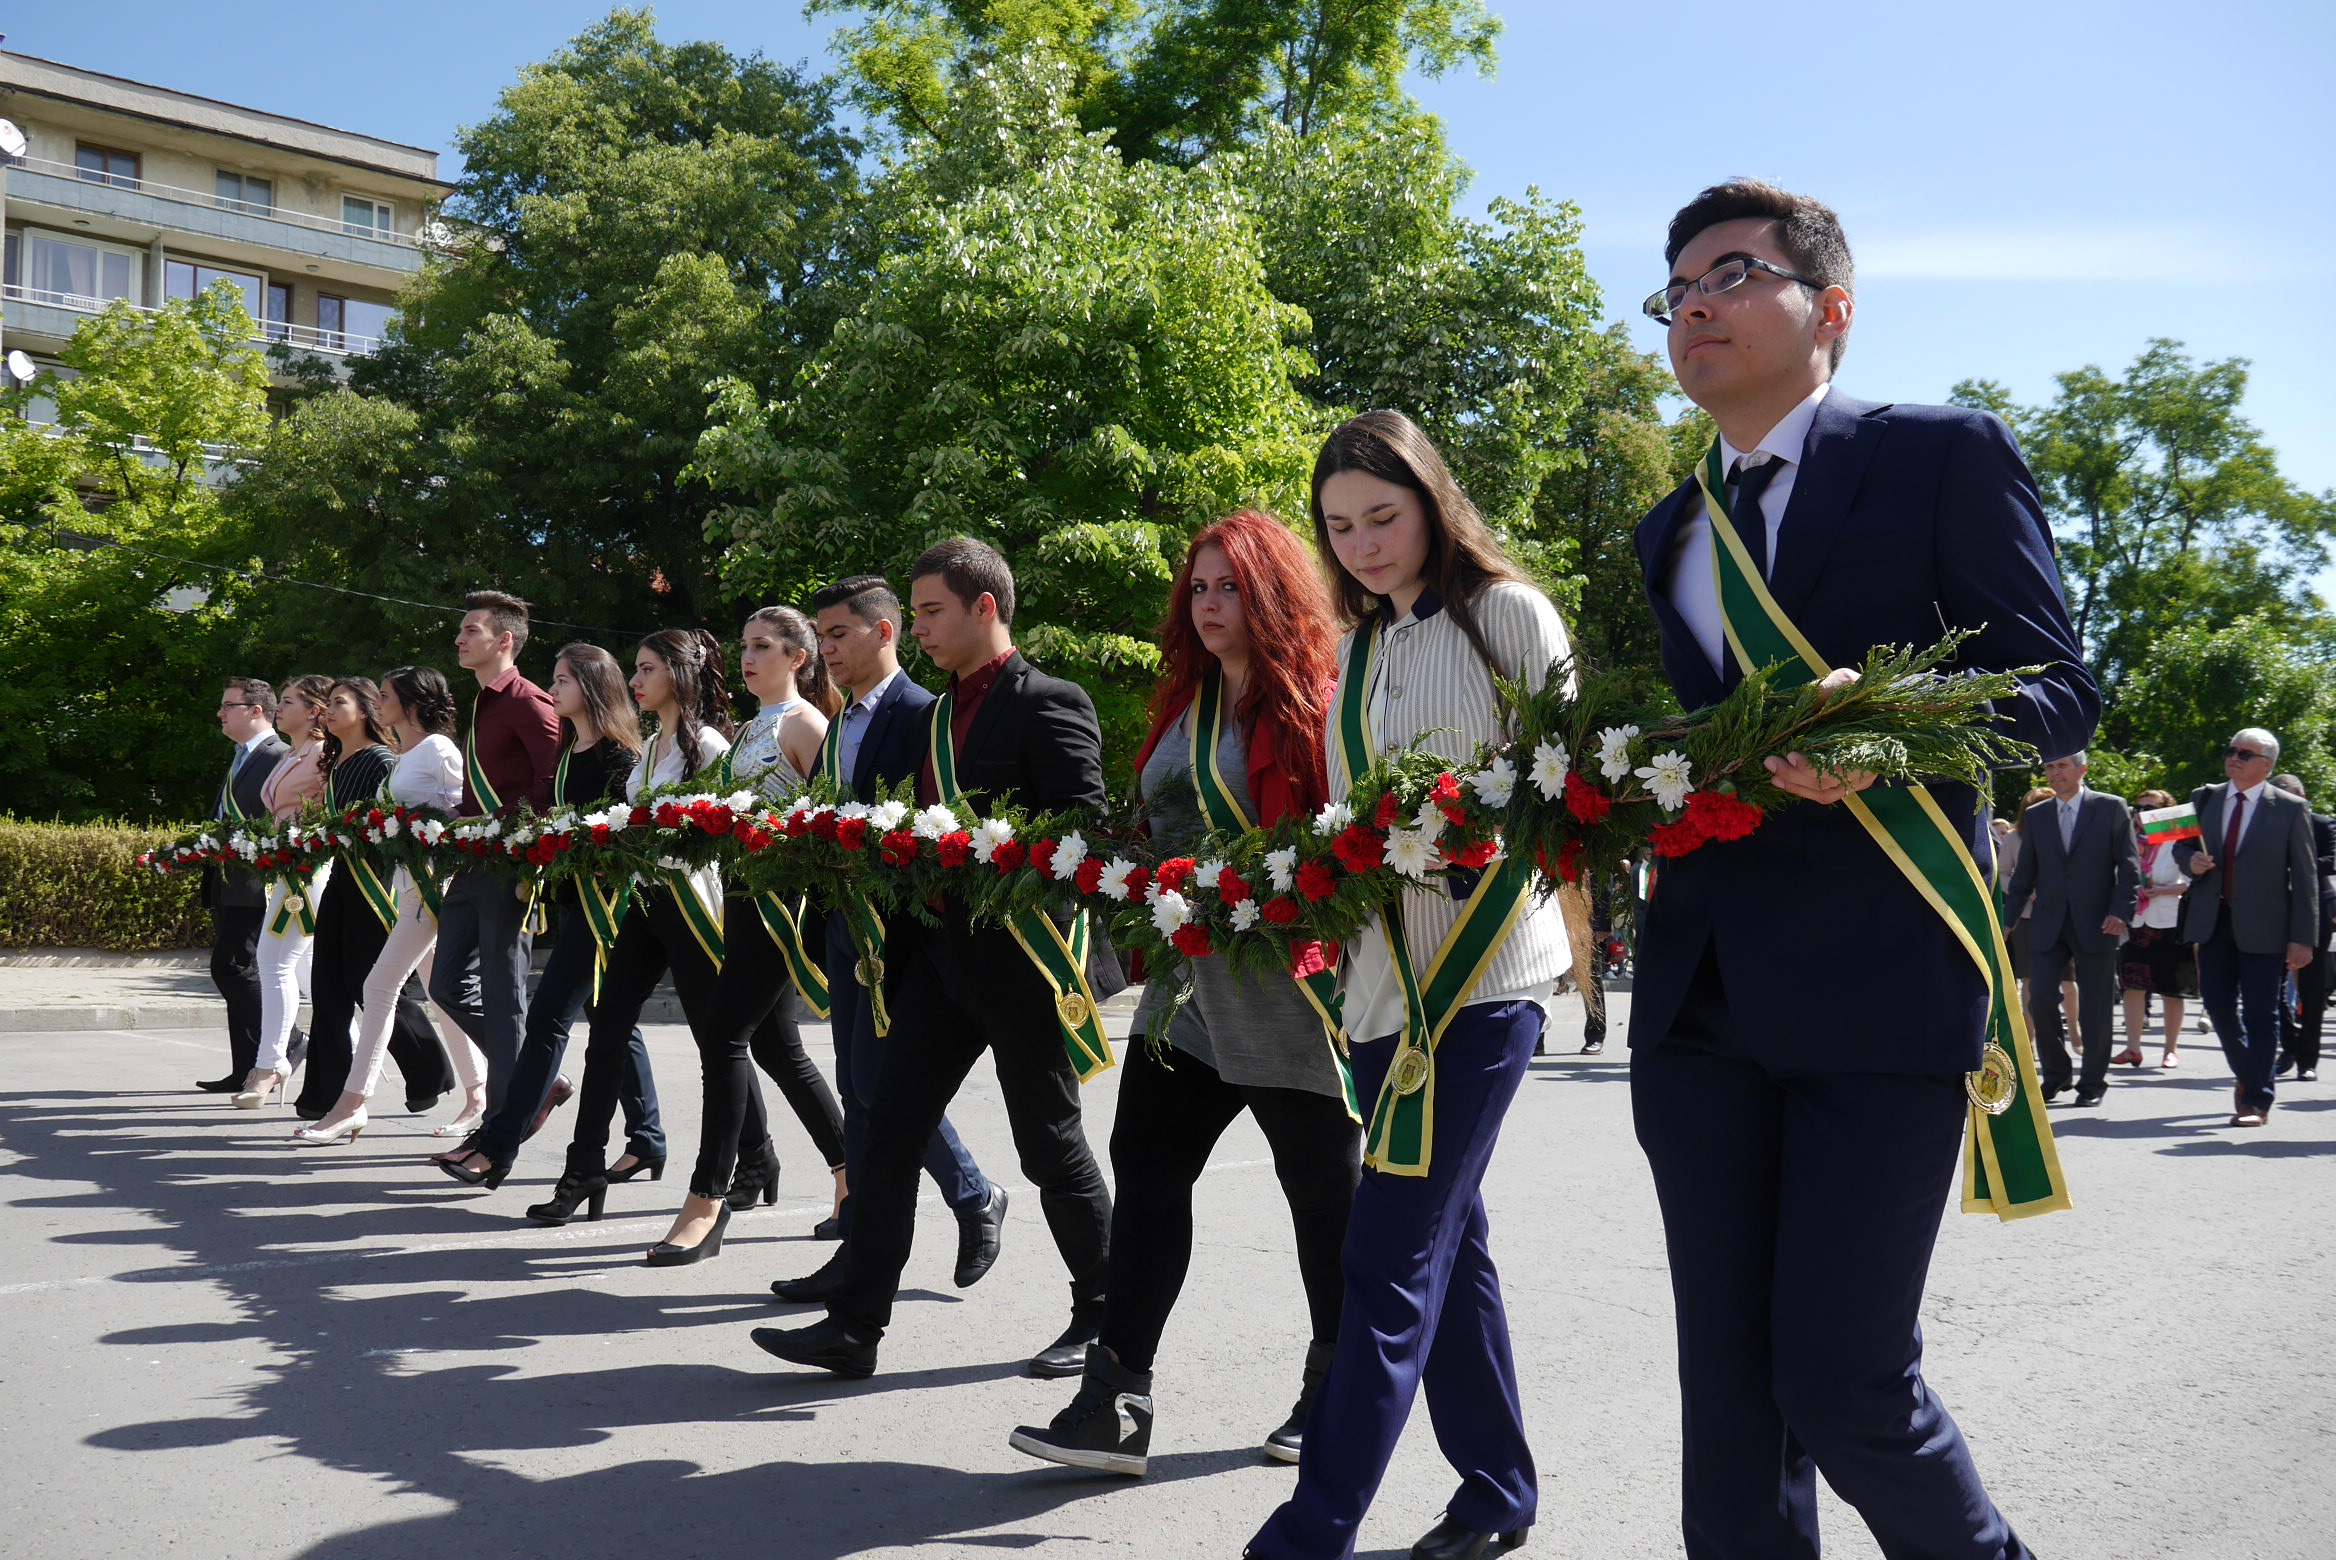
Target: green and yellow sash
{"x":378,"y":896}
{"x":1226,"y":815}
{"x":1060,"y":959}
{"x":482,"y":790}
{"x":782,"y":920}
{"x":299,"y":904}
{"x":701,"y":916}
{"x":1400,"y":1136}
{"x":604,"y":904}
{"x":861,"y":922}
{"x":2010,"y":1167}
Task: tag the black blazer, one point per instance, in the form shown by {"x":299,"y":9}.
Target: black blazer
{"x":232,"y":888}
{"x":1035,"y":743}
{"x":894,"y":747}
{"x":1904,"y":522}
{"x":2095,"y":877}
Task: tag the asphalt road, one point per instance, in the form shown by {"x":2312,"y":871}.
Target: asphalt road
{"x":218,"y":1344}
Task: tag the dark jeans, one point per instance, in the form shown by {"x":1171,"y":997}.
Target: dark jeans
{"x":750,"y":1020}
{"x":1171,"y":1114}
{"x":2301,"y":1027}
{"x":480,"y":976}
{"x":955,"y":992}
{"x":2096,"y":1006}
{"x":2241,"y":993}
{"x":1423,"y":1310}
{"x":1800,"y":1210}
{"x":561,"y":993}
{"x":235,"y":951}
{"x":348,"y":939}
{"x":859,"y":1060}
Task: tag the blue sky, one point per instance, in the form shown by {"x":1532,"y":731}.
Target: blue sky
{"x":2029,"y":187}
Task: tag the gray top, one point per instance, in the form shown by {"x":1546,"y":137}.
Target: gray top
{"x":756,"y":759}
{"x":1254,"y":1029}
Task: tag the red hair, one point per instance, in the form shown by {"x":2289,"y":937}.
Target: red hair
{"x":1286,"y":609}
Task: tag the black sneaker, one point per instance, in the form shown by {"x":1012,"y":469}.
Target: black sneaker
{"x":1108,"y":1426}
{"x":1286,"y":1443}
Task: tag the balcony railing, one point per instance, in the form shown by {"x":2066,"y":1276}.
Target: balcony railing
{"x":308,"y":338}
{"x":216,"y":202}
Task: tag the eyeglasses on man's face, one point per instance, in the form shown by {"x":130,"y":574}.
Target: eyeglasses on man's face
{"x":2243,"y":755}
{"x":1728,"y":275}
{"x":236,"y":704}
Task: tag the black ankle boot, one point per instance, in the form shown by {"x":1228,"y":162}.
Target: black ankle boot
{"x":1284,"y":1444}
{"x":577,"y":1185}
{"x":1108,"y":1426}
{"x":1452,"y":1539}
{"x":756,"y":1178}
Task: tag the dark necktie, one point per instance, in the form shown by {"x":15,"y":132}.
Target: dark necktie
{"x":1744,"y":507}
{"x":2230,"y":842}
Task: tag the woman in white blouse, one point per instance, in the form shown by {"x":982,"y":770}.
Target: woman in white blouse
{"x":1413,"y":566}
{"x":2156,"y":959}
{"x":285,"y":944}
{"x":416,"y":710}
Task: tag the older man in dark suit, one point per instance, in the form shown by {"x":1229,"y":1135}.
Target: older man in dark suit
{"x":237,"y":899}
{"x":2300,"y":1026}
{"x":2254,"y":910}
{"x":2081,"y":868}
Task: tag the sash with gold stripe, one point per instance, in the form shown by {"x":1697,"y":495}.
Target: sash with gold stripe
{"x":861,"y":922}
{"x":1226,"y":815}
{"x":1400,"y":1136}
{"x":702,"y":916}
{"x":782,"y":920}
{"x":1059,"y":958}
{"x":2010,"y":1166}
{"x":378,"y":896}
{"x":603,"y":903}
{"x":537,"y":916}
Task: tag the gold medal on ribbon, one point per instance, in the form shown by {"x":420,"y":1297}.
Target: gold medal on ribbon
{"x":1410,"y":1072}
{"x":1997,"y":1081}
{"x":869,"y":972}
{"x":1073,"y":1009}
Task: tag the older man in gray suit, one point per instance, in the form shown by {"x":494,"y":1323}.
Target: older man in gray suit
{"x":2080,"y":863}
{"x":2254,"y":909}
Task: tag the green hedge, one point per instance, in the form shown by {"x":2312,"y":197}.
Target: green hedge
{"x":79,"y":885}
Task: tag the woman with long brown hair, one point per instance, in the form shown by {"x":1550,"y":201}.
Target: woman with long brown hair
{"x":1439,"y":613}
{"x":286,"y":930}
{"x":1236,"y":741}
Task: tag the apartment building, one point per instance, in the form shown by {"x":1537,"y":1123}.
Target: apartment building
{"x":138,"y":192}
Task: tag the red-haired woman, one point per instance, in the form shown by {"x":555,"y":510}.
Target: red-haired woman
{"x":1236,"y":741}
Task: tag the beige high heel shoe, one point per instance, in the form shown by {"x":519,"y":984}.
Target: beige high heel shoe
{"x":342,"y":1131}
{"x":263,"y":1082}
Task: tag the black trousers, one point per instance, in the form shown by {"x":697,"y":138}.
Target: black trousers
{"x":348,"y":939}
{"x":562,"y":991}
{"x":1800,"y":1209}
{"x":955,"y":992}
{"x":1171,"y":1113}
{"x":235,"y":970}
{"x":2301,"y":1025}
{"x":2096,"y":1004}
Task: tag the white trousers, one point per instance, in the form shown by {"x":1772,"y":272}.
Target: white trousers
{"x":409,"y":947}
{"x":283,"y":964}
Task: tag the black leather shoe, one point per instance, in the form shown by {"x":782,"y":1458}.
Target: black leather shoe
{"x":824,"y":1345}
{"x":2090,"y":1096}
{"x":2053,"y":1091}
{"x":813,"y":1288}
{"x":1067,"y":1355}
{"x":666,"y":1254}
{"x":416,"y":1104}
{"x":829,"y":1228}
{"x":219,"y":1085}
{"x":755,"y":1179}
{"x":978,"y":1235}
{"x":1448,"y":1540}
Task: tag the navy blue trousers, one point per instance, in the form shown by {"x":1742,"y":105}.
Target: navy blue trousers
{"x":562,"y":992}
{"x":1800,"y":1210}
{"x":2241,"y":993}
{"x":859,"y":1058}
{"x":1423,"y":1309}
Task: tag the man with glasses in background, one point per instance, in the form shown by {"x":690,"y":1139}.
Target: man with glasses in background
{"x":2253,"y":911}
{"x":237,"y":899}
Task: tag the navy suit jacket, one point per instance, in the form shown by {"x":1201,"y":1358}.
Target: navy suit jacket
{"x":895,"y":744}
{"x":1904,"y":522}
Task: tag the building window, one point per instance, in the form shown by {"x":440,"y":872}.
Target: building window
{"x":351,"y":324}
{"x":184,"y":279}
{"x":106,"y":165}
{"x":372,"y":218}
{"x":242,"y":192}
{"x":279,"y":325}
{"x":77,"y":274}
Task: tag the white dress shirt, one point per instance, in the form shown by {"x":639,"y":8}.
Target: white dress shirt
{"x":1691,"y":587}
{"x":2246,"y":802}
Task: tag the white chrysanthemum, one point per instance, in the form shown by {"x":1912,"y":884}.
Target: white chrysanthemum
{"x":430,"y":831}
{"x":562,"y":821}
{"x":852,"y":810}
{"x":1114,"y":884}
{"x":1614,"y":751}
{"x":885,"y":817}
{"x":1333,"y":817}
{"x":1244,"y":915}
{"x":1668,"y":779}
{"x":1205,"y":875}
{"x":1411,"y":852}
{"x":1169,"y":911}
{"x":1550,"y":762}
{"x":1495,"y":783}
{"x":390,"y":827}
{"x":988,"y":835}
{"x":933,"y":822}
{"x":1069,"y":851}
{"x":673,"y":864}
{"x":739,"y":801}
{"x":1282,"y":867}
{"x":1429,"y":820}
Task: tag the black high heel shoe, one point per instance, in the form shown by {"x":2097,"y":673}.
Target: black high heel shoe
{"x":755,"y":1180}
{"x":667,"y":1254}
{"x":490,"y":1178}
{"x":576,"y":1188}
{"x":655,"y":1169}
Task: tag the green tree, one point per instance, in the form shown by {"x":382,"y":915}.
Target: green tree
{"x":2202,"y":681}
{"x":111,"y":650}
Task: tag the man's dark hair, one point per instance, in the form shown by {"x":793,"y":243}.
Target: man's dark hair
{"x":505,"y":614}
{"x":971,"y":569}
{"x":253,"y":691}
{"x":1806,"y":230}
{"x":868,"y":596}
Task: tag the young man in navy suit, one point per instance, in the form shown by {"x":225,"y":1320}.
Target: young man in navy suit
{"x":1804,"y":1019}
{"x":879,"y":744}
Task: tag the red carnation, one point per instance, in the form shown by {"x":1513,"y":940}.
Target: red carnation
{"x":1192,"y":940}
{"x":899,"y":848}
{"x":826,"y":826}
{"x":1384,"y":818}
{"x":954,"y":848}
{"x":1138,"y":879}
{"x":852,"y":833}
{"x":715,"y":820}
{"x":1677,"y":839}
{"x":1042,"y":856}
{"x":1568,"y":864}
{"x":1723,"y":816}
{"x":1585,"y":801}
{"x":1316,"y":880}
{"x":668,"y":816}
{"x":1473,"y":856}
{"x":640,"y":818}
{"x":1008,"y":857}
{"x":1358,"y":849}
{"x":1175,"y":873}
{"x":374,"y":819}
{"x":1089,"y":877}
{"x":1232,"y":887}
{"x":600,"y":834}
{"x":1281,"y":912}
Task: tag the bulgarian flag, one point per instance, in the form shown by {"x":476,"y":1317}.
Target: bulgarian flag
{"x":2164,"y":825}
